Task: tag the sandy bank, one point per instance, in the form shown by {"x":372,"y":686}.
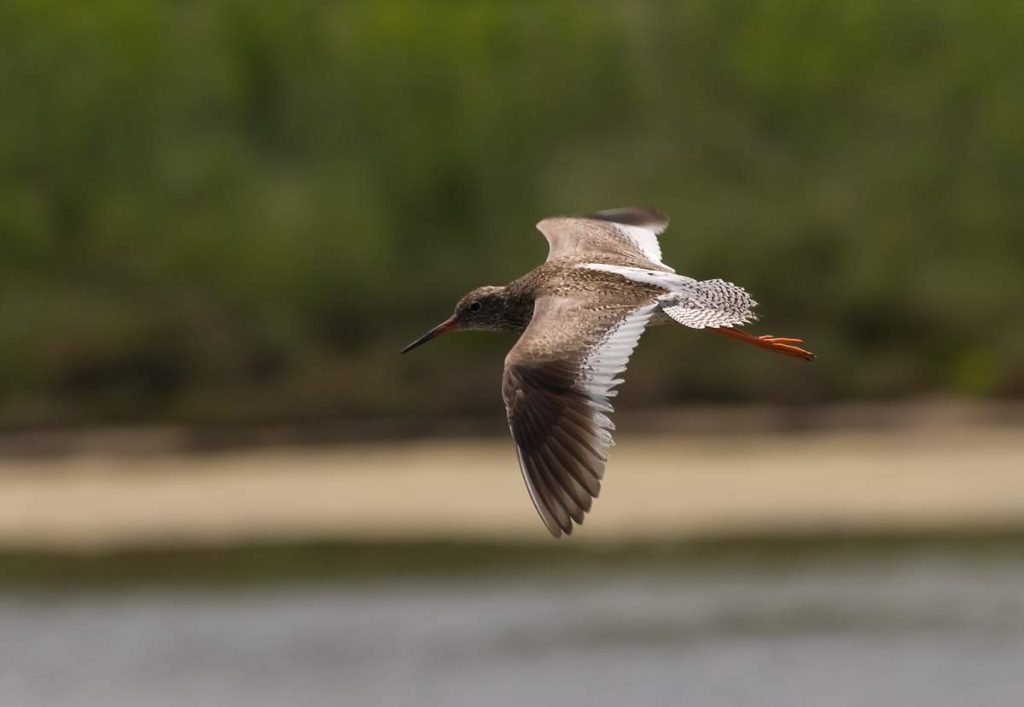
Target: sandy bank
{"x":962,"y":477}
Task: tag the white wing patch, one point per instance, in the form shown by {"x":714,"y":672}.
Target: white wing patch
{"x":645,"y":240}
{"x":606,"y":361}
{"x":668,"y":281}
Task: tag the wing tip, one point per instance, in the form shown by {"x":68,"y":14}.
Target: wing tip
{"x":652,"y":219}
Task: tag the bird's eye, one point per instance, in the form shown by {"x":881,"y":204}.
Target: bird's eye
{"x":475,"y":307}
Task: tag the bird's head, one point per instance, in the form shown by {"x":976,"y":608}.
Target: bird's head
{"x":482,"y":309}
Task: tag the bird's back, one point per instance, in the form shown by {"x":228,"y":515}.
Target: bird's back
{"x":571,"y":277}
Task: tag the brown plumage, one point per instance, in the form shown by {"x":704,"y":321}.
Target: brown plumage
{"x":580,"y":315}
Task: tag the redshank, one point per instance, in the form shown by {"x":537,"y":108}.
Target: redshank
{"x":579,"y":316}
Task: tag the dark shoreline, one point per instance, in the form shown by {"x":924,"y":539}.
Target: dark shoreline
{"x":707,"y":420}
{"x":311,"y":561}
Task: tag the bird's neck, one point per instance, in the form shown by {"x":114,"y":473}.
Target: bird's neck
{"x":518,"y":309}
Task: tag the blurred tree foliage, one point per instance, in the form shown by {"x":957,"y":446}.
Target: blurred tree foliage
{"x":241,"y":209}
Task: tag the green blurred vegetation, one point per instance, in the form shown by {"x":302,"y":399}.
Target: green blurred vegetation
{"x":239,"y":210}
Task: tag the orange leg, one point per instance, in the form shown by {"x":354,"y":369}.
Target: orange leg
{"x":777,"y":344}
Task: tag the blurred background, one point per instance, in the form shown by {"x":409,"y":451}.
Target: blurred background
{"x":220,"y":484}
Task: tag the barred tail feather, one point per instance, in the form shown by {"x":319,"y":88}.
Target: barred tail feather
{"x":711,"y":303}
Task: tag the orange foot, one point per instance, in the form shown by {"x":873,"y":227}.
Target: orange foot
{"x":778,"y":344}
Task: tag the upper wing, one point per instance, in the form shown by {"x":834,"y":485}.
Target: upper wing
{"x":631,"y":233}
{"x":558,"y":381}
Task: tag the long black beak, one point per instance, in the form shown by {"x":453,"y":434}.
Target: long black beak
{"x":445,"y":326}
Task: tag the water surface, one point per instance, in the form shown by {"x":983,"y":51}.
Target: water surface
{"x":907,"y":628}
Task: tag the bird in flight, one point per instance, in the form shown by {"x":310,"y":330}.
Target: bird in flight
{"x":579,"y":316}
